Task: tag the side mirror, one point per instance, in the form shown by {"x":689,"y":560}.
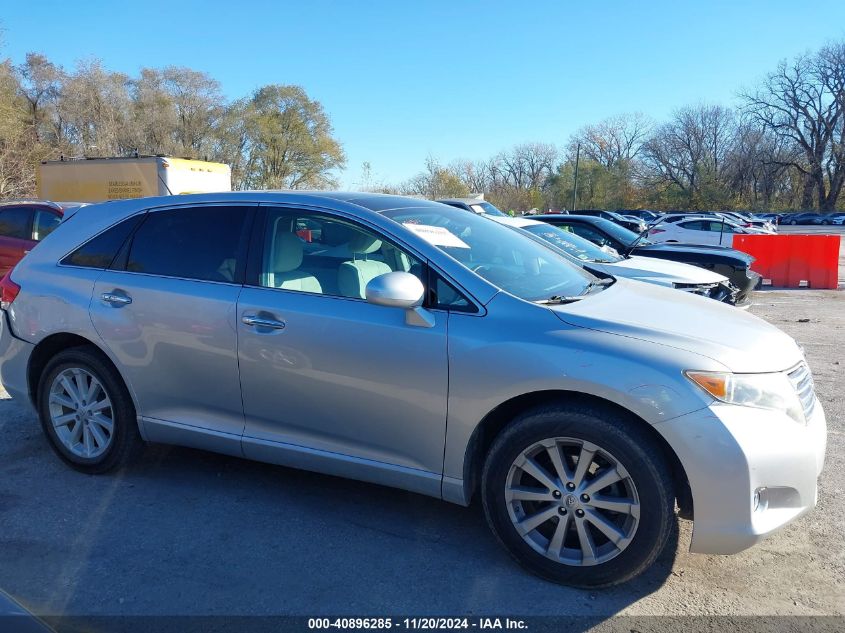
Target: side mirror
{"x":396,"y":290}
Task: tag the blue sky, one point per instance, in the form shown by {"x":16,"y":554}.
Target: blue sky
{"x":403,"y":80}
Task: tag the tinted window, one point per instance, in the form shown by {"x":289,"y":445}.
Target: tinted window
{"x":721,"y":227}
{"x":695,"y":225}
{"x":15,"y":223}
{"x":44,"y":224}
{"x":485,"y":208}
{"x":589,"y":233}
{"x":572,"y":243}
{"x":446,"y":297}
{"x":204,"y":243}
{"x":101,"y":250}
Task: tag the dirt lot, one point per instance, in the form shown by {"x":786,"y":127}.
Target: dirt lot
{"x":187,"y":532}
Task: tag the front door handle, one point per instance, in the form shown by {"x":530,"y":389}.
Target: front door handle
{"x":253,"y":320}
{"x":116,"y":299}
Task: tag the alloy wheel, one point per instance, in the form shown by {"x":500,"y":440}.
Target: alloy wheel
{"x":81,"y":413}
{"x":572,"y":501}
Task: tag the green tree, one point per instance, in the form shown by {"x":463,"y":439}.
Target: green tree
{"x":435,"y":181}
{"x":288,"y":141}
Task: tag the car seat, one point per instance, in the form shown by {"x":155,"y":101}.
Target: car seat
{"x":287,"y":258}
{"x":353,"y":276}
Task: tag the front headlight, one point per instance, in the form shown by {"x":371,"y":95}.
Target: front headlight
{"x":764,"y":391}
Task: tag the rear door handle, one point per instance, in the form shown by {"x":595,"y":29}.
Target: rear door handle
{"x":116,"y":299}
{"x":253,"y":320}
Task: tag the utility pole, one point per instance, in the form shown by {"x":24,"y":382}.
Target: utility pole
{"x":575,"y":188}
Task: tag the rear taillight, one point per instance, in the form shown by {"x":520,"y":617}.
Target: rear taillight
{"x":8,"y":291}
{"x":656,"y":231}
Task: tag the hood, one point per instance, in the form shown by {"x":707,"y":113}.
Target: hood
{"x":662,"y":271}
{"x":703,"y":251}
{"x":740,"y":341}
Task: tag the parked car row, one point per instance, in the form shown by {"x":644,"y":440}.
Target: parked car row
{"x":607,"y":261}
{"x":729,"y":269}
{"x":812,"y":218}
{"x":413,"y":344}
{"x":759,"y":220}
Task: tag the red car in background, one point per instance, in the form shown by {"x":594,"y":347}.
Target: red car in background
{"x":24,"y":223}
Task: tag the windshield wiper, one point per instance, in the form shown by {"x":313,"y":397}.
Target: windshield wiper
{"x":640,"y":237}
{"x":558,"y":299}
{"x":601,"y":283}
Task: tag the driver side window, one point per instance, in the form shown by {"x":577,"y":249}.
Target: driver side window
{"x":588,"y":233}
{"x":321,"y":254}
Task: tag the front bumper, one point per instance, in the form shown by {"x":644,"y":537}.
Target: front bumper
{"x":14,"y":361}
{"x":720,"y":291}
{"x":745,"y":280}
{"x":728,"y":453}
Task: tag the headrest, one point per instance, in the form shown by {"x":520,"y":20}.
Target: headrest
{"x":363,"y":244}
{"x":288,"y":252}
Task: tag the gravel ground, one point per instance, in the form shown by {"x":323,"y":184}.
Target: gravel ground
{"x":187,"y":532}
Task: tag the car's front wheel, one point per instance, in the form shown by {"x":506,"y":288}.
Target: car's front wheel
{"x":579,"y":495}
{"x":86,"y":411}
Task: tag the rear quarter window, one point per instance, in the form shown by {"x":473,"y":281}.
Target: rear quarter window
{"x":100,"y":251}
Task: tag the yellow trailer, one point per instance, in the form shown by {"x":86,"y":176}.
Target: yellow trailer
{"x":99,"y":179}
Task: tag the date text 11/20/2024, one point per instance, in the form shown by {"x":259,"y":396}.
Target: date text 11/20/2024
{"x":417,"y":623}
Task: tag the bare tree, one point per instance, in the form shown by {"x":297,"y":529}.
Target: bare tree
{"x":93,"y":112}
{"x":477,"y":176}
{"x":613,"y":140}
{"x":689,"y":152}
{"x":803,"y":103}
{"x":17,"y":151}
{"x":525,"y":166}
{"x":177,"y":111}
{"x":41,"y":87}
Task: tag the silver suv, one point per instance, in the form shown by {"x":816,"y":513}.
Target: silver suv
{"x":415,"y":345}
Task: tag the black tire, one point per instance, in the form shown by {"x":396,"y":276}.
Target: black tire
{"x":634,"y":449}
{"x":125,"y":443}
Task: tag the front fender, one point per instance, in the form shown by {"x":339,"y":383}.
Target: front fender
{"x":521,"y":349}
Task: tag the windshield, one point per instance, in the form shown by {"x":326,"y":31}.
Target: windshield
{"x":577,"y":246}
{"x":485,"y":208}
{"x":616,"y":216}
{"x":508,"y":259}
{"x":620,"y":233}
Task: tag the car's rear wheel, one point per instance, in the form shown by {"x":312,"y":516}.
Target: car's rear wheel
{"x":579,"y":495}
{"x":86,"y":411}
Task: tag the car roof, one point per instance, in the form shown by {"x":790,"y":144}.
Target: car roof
{"x":376,"y":202}
{"x":31,"y":202}
{"x":581,"y":218}
{"x":462,"y":200}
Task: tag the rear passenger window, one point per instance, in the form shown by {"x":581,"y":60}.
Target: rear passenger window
{"x":204,"y":243}
{"x":15,"y":223}
{"x":44,"y":224}
{"x":100,"y":251}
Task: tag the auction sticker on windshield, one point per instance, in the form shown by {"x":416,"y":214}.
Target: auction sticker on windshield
{"x":436,"y":235}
